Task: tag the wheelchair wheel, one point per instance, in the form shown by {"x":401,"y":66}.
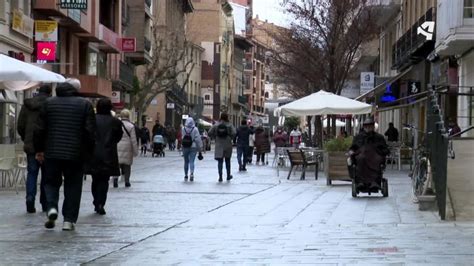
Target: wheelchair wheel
{"x":354,"y":189}
{"x":384,"y":187}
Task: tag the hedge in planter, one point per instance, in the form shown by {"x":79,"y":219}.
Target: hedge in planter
{"x":335,"y":159}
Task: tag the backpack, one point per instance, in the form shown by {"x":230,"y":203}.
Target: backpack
{"x":222,"y":131}
{"x":187,"y":140}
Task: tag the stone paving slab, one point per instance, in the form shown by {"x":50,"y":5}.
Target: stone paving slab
{"x":258,"y":218}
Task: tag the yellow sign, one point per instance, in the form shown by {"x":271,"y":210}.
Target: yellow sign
{"x":22,"y":24}
{"x":46,"y":31}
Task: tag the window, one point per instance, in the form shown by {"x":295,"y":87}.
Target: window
{"x":218,"y":48}
{"x":207,"y":97}
{"x":468,"y":8}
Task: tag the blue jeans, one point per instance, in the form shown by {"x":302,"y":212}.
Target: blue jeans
{"x":241,"y":155}
{"x":32,"y":180}
{"x":189,"y":155}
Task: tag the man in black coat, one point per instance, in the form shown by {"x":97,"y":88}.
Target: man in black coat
{"x":391,"y":133}
{"x":369,"y":150}
{"x":63,"y":138}
{"x":105,"y":160}
{"x":28,"y":115}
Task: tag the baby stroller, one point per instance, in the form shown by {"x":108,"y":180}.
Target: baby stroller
{"x":158,"y":146}
{"x":366,"y":171}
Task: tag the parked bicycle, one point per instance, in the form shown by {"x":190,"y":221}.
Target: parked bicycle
{"x":421,"y":176}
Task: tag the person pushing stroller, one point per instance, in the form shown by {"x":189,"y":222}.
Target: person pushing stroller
{"x":159,"y":145}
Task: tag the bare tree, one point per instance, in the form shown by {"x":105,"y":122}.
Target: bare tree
{"x":169,"y":65}
{"x":320,"y":48}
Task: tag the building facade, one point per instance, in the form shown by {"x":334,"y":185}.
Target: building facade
{"x":211,"y":26}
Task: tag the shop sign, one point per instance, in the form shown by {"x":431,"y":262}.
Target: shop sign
{"x":128,"y":45}
{"x":22,"y":24}
{"x":46,"y":31}
{"x":170,"y":106}
{"x":46,"y":51}
{"x":73,"y":4}
{"x":367,"y":81}
{"x":115,"y":97}
{"x":185,"y":116}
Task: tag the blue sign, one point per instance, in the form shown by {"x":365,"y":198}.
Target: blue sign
{"x":388,"y":96}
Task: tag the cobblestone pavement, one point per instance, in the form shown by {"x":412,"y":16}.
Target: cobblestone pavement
{"x":257,"y":218}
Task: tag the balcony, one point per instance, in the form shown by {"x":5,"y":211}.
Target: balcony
{"x":109,"y":40}
{"x":413,"y":47}
{"x":384,"y":10}
{"x":243,"y":99}
{"x":75,"y":20}
{"x":454,"y":31}
{"x":93,"y":86}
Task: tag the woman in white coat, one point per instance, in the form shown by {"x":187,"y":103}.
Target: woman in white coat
{"x":127,"y":148}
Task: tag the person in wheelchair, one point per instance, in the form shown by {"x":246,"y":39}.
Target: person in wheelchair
{"x":368,"y":152}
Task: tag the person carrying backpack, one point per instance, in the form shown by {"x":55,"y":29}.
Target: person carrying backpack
{"x":224,"y":133}
{"x":192,"y":144}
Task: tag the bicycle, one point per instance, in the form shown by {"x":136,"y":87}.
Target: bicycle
{"x":421,"y":176}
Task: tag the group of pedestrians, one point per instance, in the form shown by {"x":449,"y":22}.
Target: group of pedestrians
{"x":66,"y":139}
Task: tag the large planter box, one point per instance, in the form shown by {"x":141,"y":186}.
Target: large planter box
{"x":335,"y":167}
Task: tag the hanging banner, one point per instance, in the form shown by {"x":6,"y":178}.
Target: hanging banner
{"x":128,"y":45}
{"x":46,"y":51}
{"x":73,"y":4}
{"x":46,"y":31}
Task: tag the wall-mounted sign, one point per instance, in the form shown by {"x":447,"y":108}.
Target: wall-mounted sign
{"x":46,"y":51}
{"x":185,"y":116}
{"x":128,"y":45}
{"x":74,"y":14}
{"x":73,"y":4}
{"x":388,"y":95}
{"x":22,"y":24}
{"x":367,"y":81}
{"x":115,"y":97}
{"x":426,"y":29}
{"x":46,"y":31}
{"x":170,"y":106}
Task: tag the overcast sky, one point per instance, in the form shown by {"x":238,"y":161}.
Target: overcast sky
{"x":270,"y":10}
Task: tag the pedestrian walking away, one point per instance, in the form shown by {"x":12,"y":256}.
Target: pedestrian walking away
{"x":262,"y":144}
{"x":224,"y":133}
{"x":28,"y":115}
{"x":242,"y":140}
{"x":64,"y":139}
{"x":127,"y":148}
{"x":251,"y":145}
{"x":145,"y":140}
{"x":192,"y":144}
{"x":104,"y":163}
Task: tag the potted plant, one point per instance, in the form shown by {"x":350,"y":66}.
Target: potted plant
{"x":335,"y":159}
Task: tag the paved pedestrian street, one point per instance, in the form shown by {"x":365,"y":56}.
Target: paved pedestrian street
{"x":257,"y":218}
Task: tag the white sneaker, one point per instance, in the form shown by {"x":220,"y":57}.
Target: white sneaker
{"x":68,"y":226}
{"x":52,"y":216}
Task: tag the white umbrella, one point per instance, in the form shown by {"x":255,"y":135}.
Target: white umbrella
{"x":204,"y":123}
{"x":18,"y":75}
{"x":323,"y":103}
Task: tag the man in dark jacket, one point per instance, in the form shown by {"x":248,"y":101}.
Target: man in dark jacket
{"x":63,"y":138}
{"x":369,"y":150}
{"x":28,"y":115}
{"x":242,"y":140}
{"x":391,"y":133}
{"x":105,"y":161}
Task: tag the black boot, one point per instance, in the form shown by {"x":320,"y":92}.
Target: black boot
{"x":30,"y":206}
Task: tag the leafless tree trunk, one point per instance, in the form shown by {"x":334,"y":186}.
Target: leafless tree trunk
{"x":169,"y":62}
